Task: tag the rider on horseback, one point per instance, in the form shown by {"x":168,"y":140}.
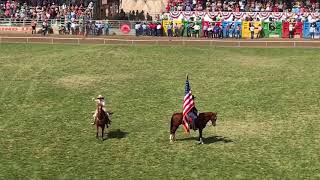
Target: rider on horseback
{"x":100,"y":101}
{"x":193,"y":114}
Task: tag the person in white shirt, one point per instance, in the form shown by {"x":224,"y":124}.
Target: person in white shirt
{"x":137,"y":28}
{"x":196,"y":28}
{"x":99,"y":101}
{"x":312,"y":31}
{"x":251,"y":28}
{"x":291,"y":30}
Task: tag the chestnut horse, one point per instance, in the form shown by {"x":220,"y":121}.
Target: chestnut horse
{"x":102,"y":120}
{"x":203,"y":119}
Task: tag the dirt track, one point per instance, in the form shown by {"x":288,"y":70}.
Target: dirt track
{"x":161,"y":41}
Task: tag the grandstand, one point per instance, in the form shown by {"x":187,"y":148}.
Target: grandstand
{"x":176,"y":17}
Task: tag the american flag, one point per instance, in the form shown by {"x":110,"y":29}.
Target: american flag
{"x":188,"y":104}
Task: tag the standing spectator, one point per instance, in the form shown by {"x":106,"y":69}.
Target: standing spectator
{"x":159,"y":29}
{"x":44,"y":27}
{"x":259,"y":31}
{"x":176,"y":30}
{"x":291,"y":30}
{"x":106,"y":28}
{"x":312,"y":31}
{"x":196,"y":30}
{"x":169,"y":30}
{"x":220,"y":32}
{"x":33,"y":26}
{"x":251,"y":30}
{"x":228,"y":30}
{"x":137,"y":28}
{"x":238,"y":30}
{"x":205,"y":30}
{"x":216,"y":31}
{"x":210,"y":30}
{"x":188,"y":29}
{"x":144,"y":29}
{"x":153,"y":29}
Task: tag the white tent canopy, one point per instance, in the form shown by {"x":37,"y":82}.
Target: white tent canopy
{"x":150,"y":6}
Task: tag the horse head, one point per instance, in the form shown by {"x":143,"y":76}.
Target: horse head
{"x":213,"y":118}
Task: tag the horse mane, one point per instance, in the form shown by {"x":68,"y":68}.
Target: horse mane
{"x":101,"y":111}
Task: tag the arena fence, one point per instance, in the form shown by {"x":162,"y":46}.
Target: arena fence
{"x":163,"y":42}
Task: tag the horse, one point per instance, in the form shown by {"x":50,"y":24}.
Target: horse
{"x":202,"y":120}
{"x":102,"y":120}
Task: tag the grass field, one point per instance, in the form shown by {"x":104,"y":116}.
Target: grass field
{"x":267,"y":102}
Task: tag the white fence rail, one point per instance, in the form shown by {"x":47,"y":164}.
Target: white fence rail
{"x":163,"y":42}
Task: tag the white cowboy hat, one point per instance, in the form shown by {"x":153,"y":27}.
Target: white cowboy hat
{"x":100,"y":97}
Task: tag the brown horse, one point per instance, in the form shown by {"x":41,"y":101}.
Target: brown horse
{"x":203,"y":119}
{"x":102,"y":121}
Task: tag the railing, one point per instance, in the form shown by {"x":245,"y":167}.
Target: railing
{"x":27,"y":22}
{"x":164,"y":42}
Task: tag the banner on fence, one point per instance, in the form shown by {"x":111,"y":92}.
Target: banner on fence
{"x":256,"y":28}
{"x":174,"y":22}
{"x":229,"y":29}
{"x":275,"y":29}
{"x":285,"y":29}
{"x":265,"y":29}
{"x":15,"y":29}
{"x":245,"y":29}
{"x":298,"y":29}
{"x":306,"y":29}
{"x":317,"y":34}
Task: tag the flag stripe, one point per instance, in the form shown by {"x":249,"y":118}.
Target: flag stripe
{"x":188,"y":104}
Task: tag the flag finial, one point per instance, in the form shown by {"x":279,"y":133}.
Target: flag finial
{"x":187,"y":76}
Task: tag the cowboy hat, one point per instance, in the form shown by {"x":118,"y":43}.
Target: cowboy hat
{"x":100,"y":97}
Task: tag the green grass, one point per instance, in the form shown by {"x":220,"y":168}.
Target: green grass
{"x":267,"y":102}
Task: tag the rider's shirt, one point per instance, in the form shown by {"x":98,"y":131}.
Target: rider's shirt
{"x":102,"y":102}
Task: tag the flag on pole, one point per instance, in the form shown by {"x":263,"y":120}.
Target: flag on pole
{"x":188,"y":104}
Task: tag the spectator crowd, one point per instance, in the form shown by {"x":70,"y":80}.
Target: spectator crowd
{"x":243,"y":5}
{"x":45,"y":11}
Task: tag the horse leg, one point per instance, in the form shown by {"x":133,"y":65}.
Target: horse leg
{"x":97,"y":135}
{"x":173,"y":133}
{"x":200,"y":136}
{"x":102,"y":131}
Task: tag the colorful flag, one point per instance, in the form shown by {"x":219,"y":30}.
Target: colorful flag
{"x":188,"y":104}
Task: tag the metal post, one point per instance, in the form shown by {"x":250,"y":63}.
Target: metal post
{"x":0,"y":40}
{"x":51,"y":40}
{"x":131,"y":42}
{"x":210,"y":43}
{"x":239,"y":43}
{"x":27,"y":40}
{"x":266,"y":44}
{"x":78,"y":41}
{"x":104,"y":41}
{"x":294,"y":43}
